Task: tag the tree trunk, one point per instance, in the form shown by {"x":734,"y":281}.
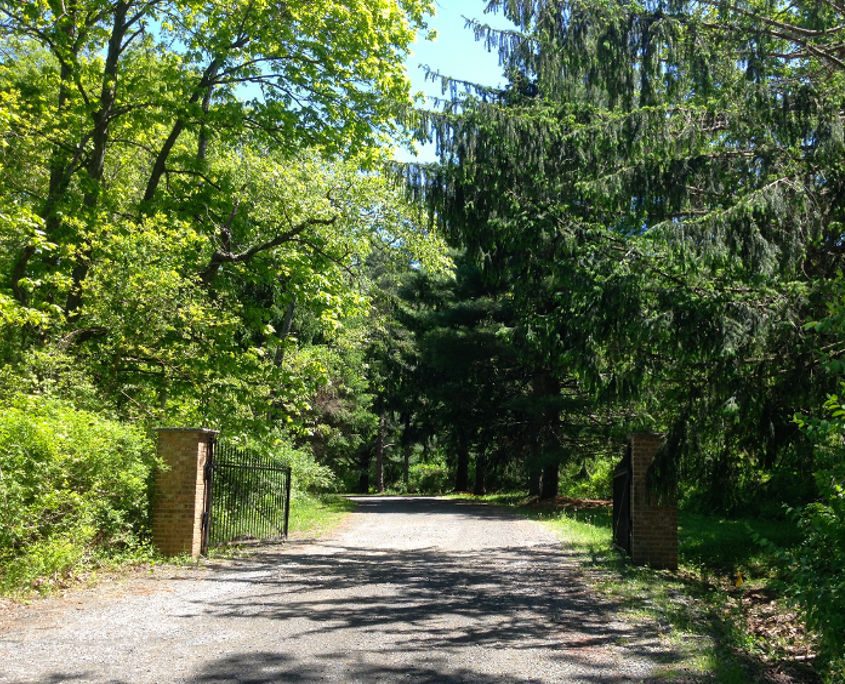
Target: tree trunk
{"x":549,"y":487}
{"x":99,"y":146}
{"x":406,"y":449}
{"x":546,"y":389}
{"x":202,"y":142}
{"x":406,"y":464}
{"x":534,"y":476}
{"x":207,"y":82}
{"x":59,"y":180}
{"x":364,"y":470}
{"x":382,"y":424}
{"x":462,"y":469}
{"x":480,"y":486}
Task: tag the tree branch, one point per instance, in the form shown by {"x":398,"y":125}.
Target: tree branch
{"x":220,"y":257}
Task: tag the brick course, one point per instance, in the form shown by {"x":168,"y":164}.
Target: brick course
{"x":180,"y":490}
{"x":654,"y":524}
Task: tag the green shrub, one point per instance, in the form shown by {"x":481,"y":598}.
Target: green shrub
{"x":818,"y":576}
{"x":817,"y":580}
{"x":306,"y":474}
{"x":73,"y":489}
{"x":429,"y":478}
{"x":590,"y":479}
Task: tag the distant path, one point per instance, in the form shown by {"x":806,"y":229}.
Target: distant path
{"x":410,"y":589}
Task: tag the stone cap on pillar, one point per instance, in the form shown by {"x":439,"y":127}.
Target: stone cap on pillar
{"x":202,"y":430}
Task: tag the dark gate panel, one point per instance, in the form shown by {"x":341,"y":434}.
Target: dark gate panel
{"x":247,"y":497}
{"x":622,"y":502}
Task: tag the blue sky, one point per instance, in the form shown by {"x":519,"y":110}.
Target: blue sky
{"x":454,"y":53}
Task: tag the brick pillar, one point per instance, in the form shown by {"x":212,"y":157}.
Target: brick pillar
{"x":180,"y":490}
{"x":654,"y":526}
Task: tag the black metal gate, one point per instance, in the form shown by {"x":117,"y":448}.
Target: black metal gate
{"x":622,"y":503}
{"x":247,"y":497}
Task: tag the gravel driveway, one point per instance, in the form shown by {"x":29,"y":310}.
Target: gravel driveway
{"x":410,"y":589}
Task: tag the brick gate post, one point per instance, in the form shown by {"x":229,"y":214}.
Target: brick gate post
{"x":654,"y":524}
{"x":180,"y":490}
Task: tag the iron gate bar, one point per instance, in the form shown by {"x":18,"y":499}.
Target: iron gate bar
{"x":277,"y":469}
{"x":287,"y":503}
{"x":206,"y":504}
{"x":248,"y":497}
{"x":621,"y":520}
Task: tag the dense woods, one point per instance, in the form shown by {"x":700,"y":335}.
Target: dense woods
{"x":193,"y":227}
{"x":643,"y":230}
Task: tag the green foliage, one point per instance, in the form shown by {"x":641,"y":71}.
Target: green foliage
{"x":719,"y":546}
{"x":190,"y":210}
{"x":589,"y":479}
{"x":190,"y":195}
{"x":644,"y":196}
{"x":73,"y":488}
{"x":308,"y":476}
{"x":817,"y":565}
{"x":817,"y":579}
{"x":429,"y":477}
{"x":316,"y":515}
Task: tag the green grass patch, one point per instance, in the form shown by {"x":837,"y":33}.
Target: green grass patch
{"x":724,"y":546}
{"x":316,"y":515}
{"x":716,"y":546}
{"x":701,"y":616}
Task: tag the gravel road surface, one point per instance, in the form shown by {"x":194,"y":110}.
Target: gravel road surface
{"x":408,"y":589}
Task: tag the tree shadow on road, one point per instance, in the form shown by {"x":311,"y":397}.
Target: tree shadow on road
{"x":507,"y":611}
{"x":423,"y":603}
{"x":267,"y":666}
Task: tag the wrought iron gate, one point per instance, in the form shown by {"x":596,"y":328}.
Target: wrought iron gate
{"x":622,"y":503}
{"x":247,"y":497}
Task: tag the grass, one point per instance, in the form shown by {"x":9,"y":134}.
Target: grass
{"x":316,"y":515}
{"x":724,"y":546}
{"x":311,"y":516}
{"x":700,"y":614}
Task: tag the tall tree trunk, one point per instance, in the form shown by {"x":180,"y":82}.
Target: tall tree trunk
{"x":534,"y":477}
{"x":279,"y":355}
{"x":60,"y":173}
{"x":406,"y":449}
{"x":364,"y":470}
{"x":480,"y":486}
{"x":382,"y":424}
{"x":99,"y":145}
{"x":287,"y":324}
{"x":203,"y":88}
{"x":202,"y":142}
{"x":550,"y":481}
{"x":462,"y":469}
{"x":546,"y":390}
{"x":406,"y":464}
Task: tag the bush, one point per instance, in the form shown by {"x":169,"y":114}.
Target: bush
{"x":73,"y":489}
{"x":429,"y":478}
{"x":590,"y":479}
{"x":817,"y":580}
{"x":306,"y":474}
{"x":818,"y":576}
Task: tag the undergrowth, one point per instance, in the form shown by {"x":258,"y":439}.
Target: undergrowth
{"x":73,"y":494}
